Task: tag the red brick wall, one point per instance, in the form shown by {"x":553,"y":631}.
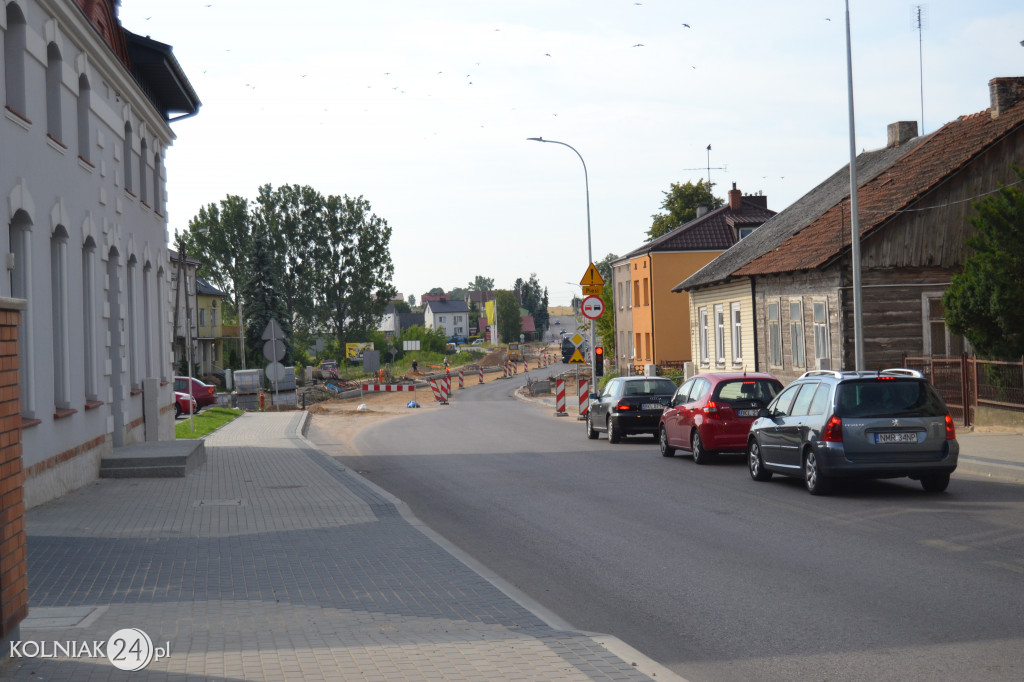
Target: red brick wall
{"x":13,"y":564}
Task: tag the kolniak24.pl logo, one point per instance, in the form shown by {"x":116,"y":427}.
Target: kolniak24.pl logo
{"x":127,"y":649}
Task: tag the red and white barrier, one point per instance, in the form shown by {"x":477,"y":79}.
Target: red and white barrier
{"x":388,"y":388}
{"x":560,"y":398}
{"x":584,"y":393}
{"x":461,"y":384}
{"x":480,"y":373}
{"x":440,"y":388}
{"x":447,"y":387}
{"x":515,"y":367}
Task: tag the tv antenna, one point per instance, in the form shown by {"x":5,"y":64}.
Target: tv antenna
{"x":709,"y":168}
{"x":918,"y":17}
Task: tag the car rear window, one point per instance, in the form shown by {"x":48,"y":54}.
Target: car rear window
{"x":888,"y":397}
{"x":739,"y":390}
{"x":650,"y":387}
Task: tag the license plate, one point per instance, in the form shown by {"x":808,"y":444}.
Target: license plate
{"x":747,"y":413}
{"x":898,"y":437}
{"x":652,"y":406}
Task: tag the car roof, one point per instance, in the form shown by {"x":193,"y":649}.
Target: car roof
{"x":729,"y":376}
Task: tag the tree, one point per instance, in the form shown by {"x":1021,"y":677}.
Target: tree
{"x":458,"y":294}
{"x":481,"y":283}
{"x":263,"y":292}
{"x":401,"y":307}
{"x":604,"y":267}
{"x":510,"y":326}
{"x":412,"y":301}
{"x":534,"y":299}
{"x":680,"y":206}
{"x":436,"y":291}
{"x":604,"y":326}
{"x":985,"y":302}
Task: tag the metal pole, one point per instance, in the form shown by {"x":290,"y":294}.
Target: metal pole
{"x":858,"y":326}
{"x":590,"y":253}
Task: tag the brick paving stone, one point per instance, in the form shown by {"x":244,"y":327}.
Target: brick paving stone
{"x":274,"y":562}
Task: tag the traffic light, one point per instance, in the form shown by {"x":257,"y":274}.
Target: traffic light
{"x":599,"y":361}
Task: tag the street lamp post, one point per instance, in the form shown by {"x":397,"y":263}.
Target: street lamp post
{"x":590,"y":252}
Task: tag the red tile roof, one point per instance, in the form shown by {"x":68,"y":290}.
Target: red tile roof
{"x":909,"y":178}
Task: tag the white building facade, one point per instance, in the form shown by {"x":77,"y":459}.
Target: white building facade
{"x":83,"y":134}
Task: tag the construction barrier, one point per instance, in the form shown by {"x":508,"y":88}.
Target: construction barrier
{"x":584,"y":393}
{"x":461,"y":385}
{"x":515,"y":367}
{"x":560,"y":399}
{"x":447,"y":387}
{"x":481,"y":374}
{"x":388,"y":388}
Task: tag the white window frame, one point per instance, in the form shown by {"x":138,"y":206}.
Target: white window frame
{"x":719,"y":311}
{"x":702,"y":330}
{"x":774,"y":329}
{"x":822,"y":340}
{"x":796,"y":333}
{"x":736,"y":317}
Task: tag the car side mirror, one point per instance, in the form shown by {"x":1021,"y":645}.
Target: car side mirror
{"x":764,"y":413}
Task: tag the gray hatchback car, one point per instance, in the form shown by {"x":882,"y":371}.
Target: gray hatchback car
{"x":828,"y":425}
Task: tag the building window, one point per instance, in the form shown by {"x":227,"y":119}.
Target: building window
{"x":15,"y":46}
{"x":161,"y":320}
{"x":719,"y":334}
{"x":702,"y":328}
{"x":157,"y":198}
{"x":636,"y":291}
{"x":84,"y":105}
{"x":21,"y":278}
{"x":143,"y":184}
{"x":147,"y":321}
{"x":54,"y":76}
{"x":618,"y":288}
{"x":636,"y":344}
{"x":128,"y":157}
{"x":821,"y":342}
{"x":796,"y":332}
{"x":647,"y":292}
{"x":59,"y":312}
{"x":89,"y":318}
{"x":746,"y":231}
{"x":648,"y":355}
{"x":737,"y":333}
{"x":202,"y":317}
{"x":129,"y":323}
{"x":938,"y":340}
{"x":774,"y":336}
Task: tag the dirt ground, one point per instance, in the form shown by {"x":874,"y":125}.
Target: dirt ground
{"x":342,"y":419}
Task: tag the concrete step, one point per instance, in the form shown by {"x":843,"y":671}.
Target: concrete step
{"x":161,"y":459}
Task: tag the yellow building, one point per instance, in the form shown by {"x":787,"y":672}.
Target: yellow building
{"x":209,"y":328}
{"x":661,"y":330}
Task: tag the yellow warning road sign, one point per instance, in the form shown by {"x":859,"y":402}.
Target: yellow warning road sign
{"x":592,"y":277}
{"x":577,"y":358}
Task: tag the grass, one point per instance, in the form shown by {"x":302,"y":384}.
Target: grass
{"x":207,"y":421}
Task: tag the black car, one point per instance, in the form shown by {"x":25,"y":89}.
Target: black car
{"x":629,"y":405}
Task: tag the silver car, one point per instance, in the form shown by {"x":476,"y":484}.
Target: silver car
{"x":828,"y":425}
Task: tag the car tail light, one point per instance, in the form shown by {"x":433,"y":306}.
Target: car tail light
{"x":623,"y":405}
{"x":211,"y":390}
{"x":711,"y":407}
{"x":833,"y":430}
{"x":950,"y":429}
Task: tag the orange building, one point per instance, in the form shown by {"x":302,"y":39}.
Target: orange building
{"x":660,"y":318}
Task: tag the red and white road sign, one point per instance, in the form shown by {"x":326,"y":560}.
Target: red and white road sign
{"x":593,"y":307}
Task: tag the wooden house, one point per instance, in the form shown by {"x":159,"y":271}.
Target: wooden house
{"x":914,"y":200}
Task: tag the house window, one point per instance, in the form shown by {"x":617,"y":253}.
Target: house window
{"x":84,"y":104}
{"x":619,"y":290}
{"x":128,"y":157}
{"x":213,"y":315}
{"x":89,"y":318}
{"x":21,"y":277}
{"x":636,"y":345}
{"x":938,"y":340}
{"x":647,"y":292}
{"x":59,"y":311}
{"x":796,"y":332}
{"x":746,"y":231}
{"x":636,"y":290}
{"x":161,"y":320}
{"x":143,"y":184}
{"x":821,"y":343}
{"x":719,"y":334}
{"x":15,"y":46}
{"x":202,"y":317}
{"x":54,"y":75}
{"x":702,"y":328}
{"x":629,"y":297}
{"x":737,"y":333}
{"x":774,"y":336}
{"x":647,"y":346}
{"x":156,"y":184}
{"x":147,"y":319}
{"x":129,"y":321}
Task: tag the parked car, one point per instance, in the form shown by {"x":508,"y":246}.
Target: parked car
{"x":629,"y":405}
{"x":205,"y":394}
{"x":457,"y":339}
{"x":181,"y":401}
{"x":828,"y":425}
{"x":477,"y":342}
{"x":713,"y":412}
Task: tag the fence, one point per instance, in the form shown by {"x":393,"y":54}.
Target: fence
{"x":976,"y":390}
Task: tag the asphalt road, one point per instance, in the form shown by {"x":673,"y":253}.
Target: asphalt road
{"x":705,"y":571}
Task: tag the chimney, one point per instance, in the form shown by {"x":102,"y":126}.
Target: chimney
{"x":702,"y":211}
{"x":735,"y":199}
{"x":901,"y":132}
{"x":1004,"y":93}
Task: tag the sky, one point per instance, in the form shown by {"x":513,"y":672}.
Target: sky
{"x":424,"y":109}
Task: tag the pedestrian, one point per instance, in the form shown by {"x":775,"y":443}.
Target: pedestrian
{"x":415,"y":366}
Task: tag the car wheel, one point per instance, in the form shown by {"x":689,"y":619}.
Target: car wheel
{"x":754,"y":462}
{"x":666,"y":449}
{"x":591,"y":433}
{"x":177,"y":410}
{"x":935,"y":483}
{"x":701,"y":455}
{"x":614,"y":435}
{"x":816,"y":483}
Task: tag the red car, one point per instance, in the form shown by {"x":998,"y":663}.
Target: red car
{"x":181,"y":401}
{"x":713,"y":412}
{"x":205,"y":394}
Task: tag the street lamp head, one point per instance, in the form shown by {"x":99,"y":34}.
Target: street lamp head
{"x":535,"y":139}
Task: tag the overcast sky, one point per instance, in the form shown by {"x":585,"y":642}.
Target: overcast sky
{"x":424,"y":109}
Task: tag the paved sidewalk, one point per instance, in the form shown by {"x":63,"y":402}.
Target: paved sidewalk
{"x":273,"y":562}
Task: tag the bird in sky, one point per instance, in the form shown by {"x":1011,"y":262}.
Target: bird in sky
{"x":686,"y":25}
{"x":639,"y":45}
{"x":546,"y":54}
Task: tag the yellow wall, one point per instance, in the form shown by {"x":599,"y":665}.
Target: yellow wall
{"x":665,"y":319}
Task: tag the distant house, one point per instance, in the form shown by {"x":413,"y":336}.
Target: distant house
{"x":209,"y":337}
{"x":792,"y":281}
{"x":450,"y":316}
{"x":660,"y":335}
{"x":436,"y":298}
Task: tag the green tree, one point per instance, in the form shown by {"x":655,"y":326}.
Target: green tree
{"x":510,"y":326}
{"x":604,"y":326}
{"x":481,"y":283}
{"x":680,"y":206}
{"x":412,"y":301}
{"x":985,"y":303}
{"x":263,"y":292}
{"x":436,"y":291}
{"x":458,"y":294}
{"x":401,"y":307}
